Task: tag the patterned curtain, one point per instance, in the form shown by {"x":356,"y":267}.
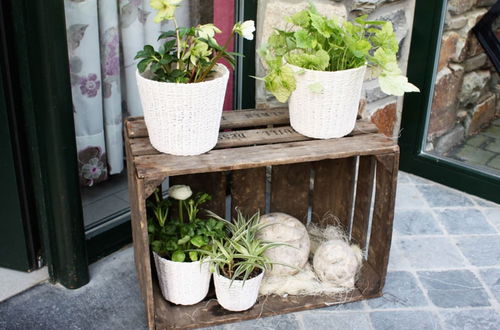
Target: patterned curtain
{"x":103,"y":38}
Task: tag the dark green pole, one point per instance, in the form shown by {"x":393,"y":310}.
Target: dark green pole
{"x":42,"y":65}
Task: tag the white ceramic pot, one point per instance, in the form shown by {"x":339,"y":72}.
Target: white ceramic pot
{"x":183,"y":283}
{"x":183,"y":119}
{"x":332,"y":112}
{"x":238,"y":296}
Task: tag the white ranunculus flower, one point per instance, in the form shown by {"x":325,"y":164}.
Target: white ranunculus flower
{"x":245,"y":29}
{"x":180,"y":192}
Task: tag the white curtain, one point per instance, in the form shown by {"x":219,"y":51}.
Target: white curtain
{"x":103,"y":38}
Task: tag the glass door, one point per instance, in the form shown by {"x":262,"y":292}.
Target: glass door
{"x":451,"y":131}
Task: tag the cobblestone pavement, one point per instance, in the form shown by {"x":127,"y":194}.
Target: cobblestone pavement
{"x":444,"y":273}
{"x":481,"y":150}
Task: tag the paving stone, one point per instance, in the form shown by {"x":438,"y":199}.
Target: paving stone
{"x":497,"y":122}
{"x":416,"y":222}
{"x":454,"y":288}
{"x":492,"y":131}
{"x":474,"y":155}
{"x":486,"y":203}
{"x":283,"y":322}
{"x":401,"y":290}
{"x":408,"y":196}
{"x":397,"y":259}
{"x":331,"y":321}
{"x":403,"y":177}
{"x":477,"y":140}
{"x":495,"y":162}
{"x":430,"y":253}
{"x":439,"y":196}
{"x":481,"y":250}
{"x":219,"y":327}
{"x":419,"y":180}
{"x":494,"y":146}
{"x":477,"y":319}
{"x":493,"y":215}
{"x":354,"y":306}
{"x":491,"y":276}
{"x":404,"y":320}
{"x":464,"y":221}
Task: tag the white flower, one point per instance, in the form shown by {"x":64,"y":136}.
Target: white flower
{"x":245,"y":29}
{"x":180,"y":192}
{"x":207,"y":31}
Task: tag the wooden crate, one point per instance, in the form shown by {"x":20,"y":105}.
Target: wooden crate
{"x":257,"y":154}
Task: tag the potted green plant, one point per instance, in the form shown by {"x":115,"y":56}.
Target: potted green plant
{"x":182,"y":84}
{"x":239,"y":263}
{"x":318,"y":64}
{"x":183,"y":274}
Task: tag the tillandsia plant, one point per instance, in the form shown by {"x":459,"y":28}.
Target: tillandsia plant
{"x":240,"y":255}
{"x":177,"y":237}
{"x":316,"y":42}
{"x":188,"y":54}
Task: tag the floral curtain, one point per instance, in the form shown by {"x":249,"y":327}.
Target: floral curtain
{"x":103,"y":38}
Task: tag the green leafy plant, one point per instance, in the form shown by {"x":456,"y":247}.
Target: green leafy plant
{"x":316,"y":42}
{"x":240,"y":255}
{"x":177,"y":238}
{"x":188,"y":54}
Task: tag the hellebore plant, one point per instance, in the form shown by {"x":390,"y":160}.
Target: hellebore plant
{"x":177,"y":237}
{"x":188,"y":54}
{"x":316,"y":42}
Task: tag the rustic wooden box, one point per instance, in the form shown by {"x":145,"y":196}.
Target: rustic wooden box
{"x":258,"y":153}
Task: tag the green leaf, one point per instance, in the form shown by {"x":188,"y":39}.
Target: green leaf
{"x":184,"y":240}
{"x":143,"y":65}
{"x":157,"y":246}
{"x":281,"y":83}
{"x":300,"y":19}
{"x":303,"y":39}
{"x":178,"y":256}
{"x":396,"y":85}
{"x":168,"y":34}
{"x":316,"y":88}
{"x":318,"y":61}
{"x":193,"y":255}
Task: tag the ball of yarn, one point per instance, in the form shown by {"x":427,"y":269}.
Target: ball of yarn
{"x":337,"y":262}
{"x":283,"y":228}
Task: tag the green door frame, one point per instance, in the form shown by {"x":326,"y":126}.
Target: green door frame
{"x":424,"y":52}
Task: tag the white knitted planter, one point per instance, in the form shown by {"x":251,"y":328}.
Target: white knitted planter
{"x":332,"y":112}
{"x":238,"y":296}
{"x":183,"y":283}
{"x":183,"y":119}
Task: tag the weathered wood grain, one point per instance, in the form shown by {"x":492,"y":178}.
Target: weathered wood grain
{"x":333,"y":191}
{"x":364,"y":192}
{"x":158,"y":166}
{"x":383,"y":214}
{"x":290,"y":189}
{"x":213,"y":184}
{"x":248,"y":191}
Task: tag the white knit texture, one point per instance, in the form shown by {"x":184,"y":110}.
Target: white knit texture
{"x":183,"y":119}
{"x":238,"y":296}
{"x":332,"y":112}
{"x":183,"y":283}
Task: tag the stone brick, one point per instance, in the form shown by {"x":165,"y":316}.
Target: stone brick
{"x":364,"y":7}
{"x":450,"y":139}
{"x":455,"y":22}
{"x":475,"y":62}
{"x":374,"y":94}
{"x":473,"y":84}
{"x":474,"y":48}
{"x":482,"y":115}
{"x":485,"y":3}
{"x":448,"y":48}
{"x":457,"y":7}
{"x":465,"y":35}
{"x":385,"y":118}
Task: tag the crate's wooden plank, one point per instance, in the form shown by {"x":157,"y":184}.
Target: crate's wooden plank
{"x":230,"y":119}
{"x":383,"y":213}
{"x":231,"y":139}
{"x":248,"y":191}
{"x":333,"y":191}
{"x":256,"y":156}
{"x":209,"y":313}
{"x":213,"y":184}
{"x":364,"y":192}
{"x":290,"y":189}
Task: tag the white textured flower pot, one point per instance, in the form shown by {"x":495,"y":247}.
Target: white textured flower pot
{"x":183,"y":283}
{"x":332,"y":112}
{"x":238,"y":296}
{"x":183,"y":119}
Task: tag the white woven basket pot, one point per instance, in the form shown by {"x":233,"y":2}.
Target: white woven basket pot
{"x":183,"y":119}
{"x":332,"y":112}
{"x":183,"y":283}
{"x":238,"y":296}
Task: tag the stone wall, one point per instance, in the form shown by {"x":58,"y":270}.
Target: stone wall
{"x":383,"y":110}
{"x":466,"y":89}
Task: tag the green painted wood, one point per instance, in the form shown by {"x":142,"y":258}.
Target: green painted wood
{"x":429,"y":17}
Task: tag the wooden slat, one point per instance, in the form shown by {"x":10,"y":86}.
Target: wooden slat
{"x":248,"y":191}
{"x":290,"y":189}
{"x":158,"y":166}
{"x":333,"y":191}
{"x":213,"y":184}
{"x":230,"y":119}
{"x":364,"y":192}
{"x":383,"y":214}
{"x":142,"y":146}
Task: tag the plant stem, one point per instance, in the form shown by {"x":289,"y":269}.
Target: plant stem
{"x":180,"y":210}
{"x":215,"y":59}
{"x":178,"y":43}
